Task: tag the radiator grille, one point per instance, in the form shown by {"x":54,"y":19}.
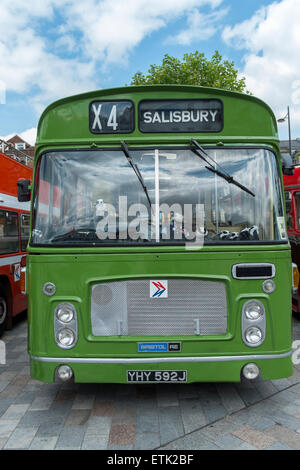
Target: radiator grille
{"x":126,"y":308}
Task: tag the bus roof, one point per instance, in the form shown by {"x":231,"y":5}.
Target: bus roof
{"x":246,"y":118}
{"x":11,"y":172}
{"x":292,"y":181}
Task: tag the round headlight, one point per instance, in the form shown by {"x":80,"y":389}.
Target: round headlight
{"x":64,"y":373}
{"x":253,"y":310}
{"x":253,"y":335}
{"x":66,"y":338}
{"x":65,"y":313}
{"x":251,"y":371}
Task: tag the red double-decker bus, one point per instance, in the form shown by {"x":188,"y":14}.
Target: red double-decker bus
{"x":292,"y":199}
{"x":14,"y":233}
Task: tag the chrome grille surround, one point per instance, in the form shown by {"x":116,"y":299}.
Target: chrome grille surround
{"x":192,"y":307}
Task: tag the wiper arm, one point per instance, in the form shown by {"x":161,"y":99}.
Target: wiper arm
{"x":75,"y":234}
{"x":136,"y":169}
{"x":222,"y":173}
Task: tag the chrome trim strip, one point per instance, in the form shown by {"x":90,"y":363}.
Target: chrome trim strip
{"x":153,"y":360}
{"x":253,"y":265}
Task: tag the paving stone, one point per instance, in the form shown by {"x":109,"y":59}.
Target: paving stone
{"x":249,"y":393}
{"x":3,"y":384}
{"x":230,"y":398}
{"x":50,"y":429}
{"x":220,"y":428}
{"x":281,"y":384}
{"x":192,"y":414}
{"x":25,"y":397}
{"x":279,"y":446}
{"x":2,"y":443}
{"x":98,"y":426}
{"x":124,"y":413}
{"x":265,"y":388}
{"x":41,"y":403}
{"x":71,"y":436}
{"x":7,"y":427}
{"x":36,"y":418}
{"x":11,"y":391}
{"x":4,"y":404}
{"x":214,"y":413}
{"x":166,"y":395}
{"x":8,"y":375}
{"x":65,"y":395}
{"x":284,"y":435}
{"x":20,"y":439}
{"x":103,"y":408}
{"x":20,"y":380}
{"x":95,"y":443}
{"x":262,"y":424}
{"x":147,"y":422}
{"x":170,"y":423}
{"x":83,"y":402}
{"x":43,"y":443}
{"x":194,"y":441}
{"x":121,"y":434}
{"x":15,"y":412}
{"x":78,"y":418}
{"x":146,"y":441}
{"x":229,"y":442}
{"x":252,"y":436}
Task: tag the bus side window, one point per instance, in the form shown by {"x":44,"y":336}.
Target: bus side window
{"x":288,"y":206}
{"x":25,"y":220}
{"x":9,"y":232}
{"x":297,"y":209}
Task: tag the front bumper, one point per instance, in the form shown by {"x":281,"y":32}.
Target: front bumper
{"x":199,"y":369}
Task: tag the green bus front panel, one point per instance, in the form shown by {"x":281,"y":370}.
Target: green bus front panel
{"x":218,"y":357}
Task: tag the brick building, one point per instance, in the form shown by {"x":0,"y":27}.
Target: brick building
{"x":18,"y":149}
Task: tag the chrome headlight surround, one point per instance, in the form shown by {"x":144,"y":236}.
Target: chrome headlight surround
{"x":68,"y":326}
{"x":254,"y":322}
{"x":65,"y":312}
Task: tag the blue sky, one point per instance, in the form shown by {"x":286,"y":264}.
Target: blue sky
{"x":54,"y":48}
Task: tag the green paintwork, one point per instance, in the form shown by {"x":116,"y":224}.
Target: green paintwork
{"x":64,"y":124}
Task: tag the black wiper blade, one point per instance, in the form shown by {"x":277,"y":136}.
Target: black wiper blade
{"x":78,"y":235}
{"x":135,"y":169}
{"x":222,"y":173}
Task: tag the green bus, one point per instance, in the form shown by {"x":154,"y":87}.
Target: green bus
{"x":158,"y":248}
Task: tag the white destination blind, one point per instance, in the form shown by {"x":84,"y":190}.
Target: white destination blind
{"x":197,"y":115}
{"x":111,"y":117}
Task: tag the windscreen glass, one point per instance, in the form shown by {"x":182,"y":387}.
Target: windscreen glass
{"x":157,"y":196}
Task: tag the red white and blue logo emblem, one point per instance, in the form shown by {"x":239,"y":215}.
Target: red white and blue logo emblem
{"x":158,"y":289}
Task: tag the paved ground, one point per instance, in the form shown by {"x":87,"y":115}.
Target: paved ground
{"x":33,"y":415}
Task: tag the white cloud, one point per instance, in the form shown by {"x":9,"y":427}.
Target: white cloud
{"x":112,"y":29}
{"x":29,"y":135}
{"x":271,"y":39}
{"x":200,"y":26}
{"x":53,"y":48}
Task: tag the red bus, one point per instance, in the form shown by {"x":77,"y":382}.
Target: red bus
{"x":14,"y":234}
{"x":292,"y":200}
